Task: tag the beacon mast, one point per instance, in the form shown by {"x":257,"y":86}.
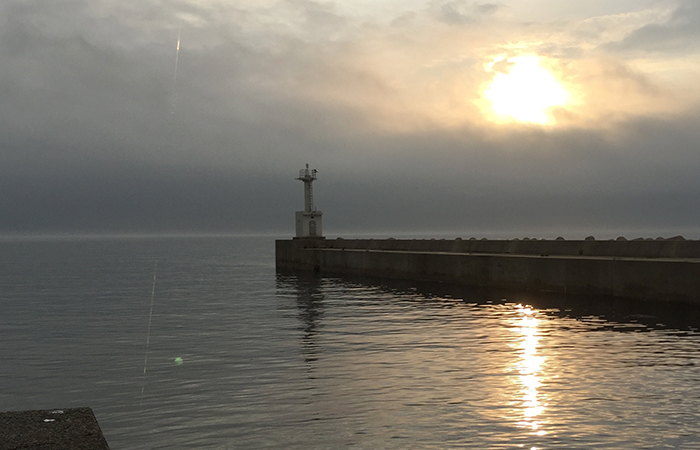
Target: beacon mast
{"x":308,"y":220}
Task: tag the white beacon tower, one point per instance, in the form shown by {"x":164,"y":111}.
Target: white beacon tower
{"x":308,"y":220}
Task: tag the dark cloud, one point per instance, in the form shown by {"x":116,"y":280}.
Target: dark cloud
{"x":461,"y":12}
{"x":418,"y":181}
{"x":679,"y":34}
{"x":95,"y":135}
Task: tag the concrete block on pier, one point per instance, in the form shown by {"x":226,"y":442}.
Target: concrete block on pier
{"x":51,"y":429}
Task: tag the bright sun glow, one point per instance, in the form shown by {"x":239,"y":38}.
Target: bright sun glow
{"x":525,"y":91}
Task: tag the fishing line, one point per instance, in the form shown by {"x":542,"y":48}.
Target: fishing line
{"x":177,"y":60}
{"x":167,"y":138}
{"x":150,"y":319}
{"x":177,"y":57}
{"x":155,"y":267}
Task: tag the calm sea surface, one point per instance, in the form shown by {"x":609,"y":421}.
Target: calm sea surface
{"x":239,"y":357}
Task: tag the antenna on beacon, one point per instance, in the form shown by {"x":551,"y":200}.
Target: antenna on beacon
{"x":308,"y":220}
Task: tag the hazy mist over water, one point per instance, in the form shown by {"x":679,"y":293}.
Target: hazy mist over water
{"x":240,"y":356}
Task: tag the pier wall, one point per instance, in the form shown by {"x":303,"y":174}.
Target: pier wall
{"x":660,"y":269}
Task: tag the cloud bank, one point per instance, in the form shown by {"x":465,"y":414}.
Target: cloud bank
{"x":100,"y":133}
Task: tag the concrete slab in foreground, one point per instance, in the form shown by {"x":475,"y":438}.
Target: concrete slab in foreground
{"x":51,"y":429}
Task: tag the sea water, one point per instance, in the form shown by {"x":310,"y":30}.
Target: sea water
{"x":229,"y":354}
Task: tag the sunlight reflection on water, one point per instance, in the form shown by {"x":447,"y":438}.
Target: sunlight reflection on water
{"x":284,"y":361}
{"x":529,"y":367}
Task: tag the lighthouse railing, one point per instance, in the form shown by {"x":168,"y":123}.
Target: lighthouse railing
{"x":306,"y":174}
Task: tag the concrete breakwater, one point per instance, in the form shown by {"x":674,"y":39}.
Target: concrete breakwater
{"x":667,"y":269}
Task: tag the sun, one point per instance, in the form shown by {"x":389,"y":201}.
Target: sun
{"x":524,"y":91}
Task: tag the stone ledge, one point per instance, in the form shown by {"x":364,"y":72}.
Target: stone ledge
{"x":51,"y":429}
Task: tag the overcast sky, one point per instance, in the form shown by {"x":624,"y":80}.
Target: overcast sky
{"x":106,"y":127}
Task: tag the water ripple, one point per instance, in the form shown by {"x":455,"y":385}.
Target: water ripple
{"x":241,"y":357}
